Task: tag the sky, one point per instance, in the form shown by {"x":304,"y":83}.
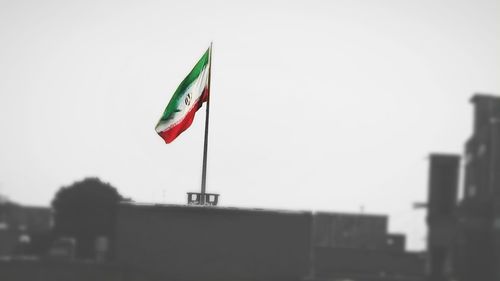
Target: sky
{"x":315,"y":105}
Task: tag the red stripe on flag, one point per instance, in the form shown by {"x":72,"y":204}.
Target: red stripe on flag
{"x":172,"y":133}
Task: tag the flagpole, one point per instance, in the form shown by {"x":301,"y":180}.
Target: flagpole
{"x":205,"y":144}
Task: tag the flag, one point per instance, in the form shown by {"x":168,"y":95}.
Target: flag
{"x":187,"y":99}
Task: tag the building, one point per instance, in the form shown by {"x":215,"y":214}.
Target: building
{"x":355,"y":231}
{"x":20,"y":225}
{"x":464,"y":235}
{"x":202,"y":243}
{"x":478,"y":250}
{"x":175,"y":242}
{"x":359,"y":247}
{"x":441,"y":215}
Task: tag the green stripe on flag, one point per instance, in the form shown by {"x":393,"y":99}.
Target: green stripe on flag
{"x":192,"y":76}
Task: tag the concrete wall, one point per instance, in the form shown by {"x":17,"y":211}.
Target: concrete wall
{"x":350,"y":230}
{"x":44,"y":270}
{"x":212,"y":243}
{"x":364,"y":264}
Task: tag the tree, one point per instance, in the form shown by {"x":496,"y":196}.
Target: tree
{"x":86,"y":210}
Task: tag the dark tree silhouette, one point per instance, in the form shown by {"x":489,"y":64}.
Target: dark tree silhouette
{"x":85,"y":210}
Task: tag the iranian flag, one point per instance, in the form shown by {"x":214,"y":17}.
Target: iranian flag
{"x":187,"y":99}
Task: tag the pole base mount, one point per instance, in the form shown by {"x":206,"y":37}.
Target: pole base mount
{"x":202,"y":199}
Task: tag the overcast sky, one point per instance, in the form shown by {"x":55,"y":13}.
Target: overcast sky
{"x":316,"y":105}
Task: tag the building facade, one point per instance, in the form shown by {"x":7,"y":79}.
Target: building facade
{"x":479,"y":212}
{"x":174,"y":242}
{"x":215,"y":243}
{"x":464,"y":235}
{"x":442,"y":215}
{"x":359,"y":247}
{"x":20,"y":226}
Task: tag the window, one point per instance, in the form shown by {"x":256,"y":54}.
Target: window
{"x":471,"y":191}
{"x":481,"y":150}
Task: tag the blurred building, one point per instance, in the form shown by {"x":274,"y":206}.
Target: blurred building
{"x":20,"y":225}
{"x":464,"y":235}
{"x":360,"y":231}
{"x":215,"y":243}
{"x":479,"y":212}
{"x":359,"y":247}
{"x":441,"y":215}
{"x":201,"y":243}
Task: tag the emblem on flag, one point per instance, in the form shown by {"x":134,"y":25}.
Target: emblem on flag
{"x":190,"y":95}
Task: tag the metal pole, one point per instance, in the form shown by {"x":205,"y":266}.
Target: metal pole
{"x":205,"y":145}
